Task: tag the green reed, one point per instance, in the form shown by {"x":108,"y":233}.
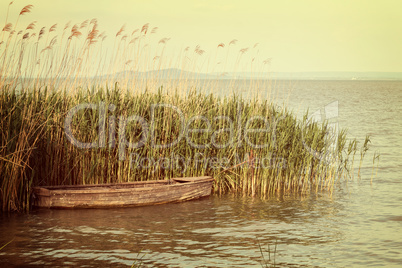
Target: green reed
{"x":1,"y":248}
{"x":35,"y":149}
{"x":247,"y":143}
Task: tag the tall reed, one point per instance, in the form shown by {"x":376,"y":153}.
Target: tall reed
{"x":138,"y":121}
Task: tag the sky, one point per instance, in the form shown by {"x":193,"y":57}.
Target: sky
{"x":298,"y":35}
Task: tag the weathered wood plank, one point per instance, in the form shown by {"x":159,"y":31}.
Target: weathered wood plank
{"x":123,"y":194}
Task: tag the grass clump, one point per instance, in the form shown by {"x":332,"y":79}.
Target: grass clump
{"x":249,"y":146}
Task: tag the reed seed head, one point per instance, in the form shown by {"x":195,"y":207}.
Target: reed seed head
{"x":267,"y":61}
{"x":233,"y":42}
{"x":53,"y":41}
{"x":53,"y":28}
{"x":133,"y":40}
{"x":243,"y":50}
{"x":31,"y":26}
{"x":41,"y":32}
{"x":8,"y":27}
{"x":145,"y":28}
{"x":84,"y":24}
{"x":75,"y":32}
{"x":93,"y":34}
{"x":164,"y":40}
{"x":26,"y":9}
{"x":67,"y":25}
{"x":121,"y":30}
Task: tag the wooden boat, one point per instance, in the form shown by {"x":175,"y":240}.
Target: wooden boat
{"x":122,"y":194}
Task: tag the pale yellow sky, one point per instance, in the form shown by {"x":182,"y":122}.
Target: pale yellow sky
{"x":299,"y":35}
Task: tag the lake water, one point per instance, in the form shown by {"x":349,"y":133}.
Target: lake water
{"x":359,"y":225}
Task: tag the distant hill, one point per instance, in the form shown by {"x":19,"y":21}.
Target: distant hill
{"x":321,"y":75}
{"x":174,"y":73}
{"x":171,"y":73}
{"x":340,"y":75}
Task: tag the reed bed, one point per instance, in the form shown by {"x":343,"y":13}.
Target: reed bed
{"x":71,"y":116}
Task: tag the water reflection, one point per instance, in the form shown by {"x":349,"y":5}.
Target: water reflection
{"x":216,"y":232}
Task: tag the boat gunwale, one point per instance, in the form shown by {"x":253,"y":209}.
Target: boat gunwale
{"x":124,"y":187}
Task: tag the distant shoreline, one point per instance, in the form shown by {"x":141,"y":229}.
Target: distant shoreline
{"x":177,"y":74}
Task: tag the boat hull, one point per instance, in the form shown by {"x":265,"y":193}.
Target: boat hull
{"x":122,"y":194}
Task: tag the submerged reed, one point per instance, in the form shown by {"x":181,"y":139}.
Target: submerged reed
{"x":70,"y":116}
